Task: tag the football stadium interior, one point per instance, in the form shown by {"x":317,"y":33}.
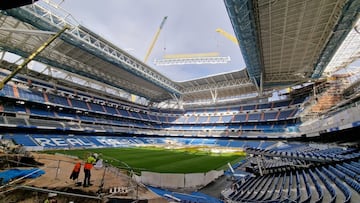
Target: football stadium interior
{"x":293,"y":113}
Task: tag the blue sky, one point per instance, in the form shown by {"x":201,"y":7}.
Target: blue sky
{"x":190,"y":28}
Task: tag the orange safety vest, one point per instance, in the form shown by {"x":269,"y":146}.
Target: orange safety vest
{"x":88,"y":166}
{"x":77,"y":167}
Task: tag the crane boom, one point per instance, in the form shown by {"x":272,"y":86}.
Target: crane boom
{"x":192,"y":60}
{"x":173,"y":56}
{"x":155,"y":39}
{"x":227,"y":35}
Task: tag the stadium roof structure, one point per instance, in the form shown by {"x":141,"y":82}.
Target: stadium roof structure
{"x":219,"y":86}
{"x":283,"y":43}
{"x":287,"y":42}
{"x":79,"y":51}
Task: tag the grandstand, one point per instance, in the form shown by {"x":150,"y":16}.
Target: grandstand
{"x":295,"y":109}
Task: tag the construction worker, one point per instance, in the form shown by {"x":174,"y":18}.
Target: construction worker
{"x":90,"y":161}
{"x":75,"y":172}
{"x":51,"y":198}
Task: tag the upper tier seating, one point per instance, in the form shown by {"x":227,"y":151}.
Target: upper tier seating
{"x":73,"y":108}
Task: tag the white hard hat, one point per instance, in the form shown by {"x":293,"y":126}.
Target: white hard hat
{"x":51,"y":194}
{"x":95,"y":155}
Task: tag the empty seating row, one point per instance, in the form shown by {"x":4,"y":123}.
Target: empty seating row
{"x":292,"y":186}
{"x":104,"y":118}
{"x":244,"y":117}
{"x":46,"y":111}
{"x":249,"y":107}
{"x":315,"y":155}
{"x":69,"y":102}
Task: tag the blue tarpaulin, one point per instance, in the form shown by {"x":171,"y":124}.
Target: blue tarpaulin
{"x":197,"y":197}
{"x":11,"y":174}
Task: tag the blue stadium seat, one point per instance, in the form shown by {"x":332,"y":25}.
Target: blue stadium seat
{"x":7,"y":90}
{"x":284,"y":114}
{"x":58,"y":100}
{"x":111,"y":110}
{"x":41,"y":112}
{"x":153,"y":118}
{"x":227,"y":118}
{"x":319,"y":189}
{"x":14,"y":108}
{"x":31,"y":95}
{"x":134,"y":115}
{"x":191,"y":119}
{"x":264,"y":106}
{"x":214,"y":119}
{"x":239,"y":118}
{"x":181,"y":119}
{"x":124,"y":113}
{"x":339,"y":184}
{"x":22,"y":139}
{"x":78,"y":104}
{"x":327,"y":184}
{"x":307,"y":187}
{"x":203,"y":119}
{"x":248,"y":107}
{"x":281,"y":104}
{"x":254,"y":117}
{"x":96,"y":107}
{"x":270,"y":116}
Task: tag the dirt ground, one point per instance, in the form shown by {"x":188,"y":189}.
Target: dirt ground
{"x":107,"y":183}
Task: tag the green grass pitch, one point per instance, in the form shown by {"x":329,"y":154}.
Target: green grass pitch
{"x":188,"y":160}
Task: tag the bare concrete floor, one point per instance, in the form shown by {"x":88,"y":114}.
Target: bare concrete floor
{"x":107,"y":182}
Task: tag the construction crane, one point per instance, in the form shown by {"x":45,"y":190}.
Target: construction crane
{"x":155,"y":39}
{"x":227,"y":35}
{"x":183,"y":59}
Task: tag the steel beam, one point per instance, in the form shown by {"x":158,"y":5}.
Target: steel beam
{"x":31,"y":57}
